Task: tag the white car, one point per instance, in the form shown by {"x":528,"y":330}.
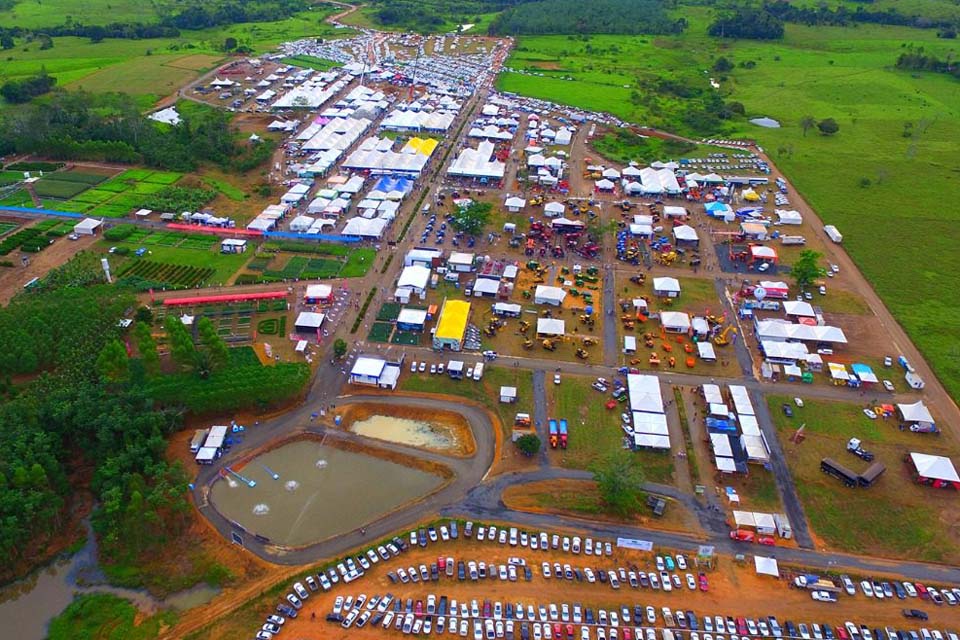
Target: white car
{"x":889,"y":386}
{"x":433,"y":369}
{"x":423,"y":367}
{"x":835,"y":268}
{"x":798,"y":402}
{"x":870,"y":414}
{"x":556,"y":378}
{"x":866,"y":588}
{"x":301,"y":590}
{"x":681,"y":562}
{"x":413,"y":366}
{"x":823,"y":596}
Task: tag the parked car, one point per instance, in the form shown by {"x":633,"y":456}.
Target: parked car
{"x":787,"y":410}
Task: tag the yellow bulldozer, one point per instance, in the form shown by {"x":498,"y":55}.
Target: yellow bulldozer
{"x":722,"y":339}
{"x":524,"y":326}
{"x":588,"y":342}
{"x":667,"y":257}
{"x":528,"y":344}
{"x":549,"y":344}
{"x":583,"y":354}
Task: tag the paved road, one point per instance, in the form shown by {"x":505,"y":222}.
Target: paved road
{"x":540,"y":413}
{"x":610,"y":317}
{"x":778,"y":465}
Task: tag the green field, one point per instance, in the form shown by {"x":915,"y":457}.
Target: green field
{"x":149,"y":68}
{"x":311,"y":62}
{"x":844,"y":73}
{"x":223,"y":265}
{"x":595,"y":430}
{"x":858,"y":520}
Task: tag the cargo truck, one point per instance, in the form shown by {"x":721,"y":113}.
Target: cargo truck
{"x":833,"y":233}
{"x":815,"y":583}
{"x":554,"y":434}
{"x":563,"y":434}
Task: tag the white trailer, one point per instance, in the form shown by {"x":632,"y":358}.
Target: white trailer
{"x":788,"y":240}
{"x":833,"y":233}
{"x":199,"y":437}
{"x":478,"y":371}
{"x":216,"y":437}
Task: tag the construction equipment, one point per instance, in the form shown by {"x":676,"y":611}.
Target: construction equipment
{"x":583,"y":354}
{"x":528,"y":344}
{"x":554,"y":434}
{"x":587,"y":341}
{"x":549,"y":344}
{"x":524,"y":326}
{"x":667,"y":258}
{"x":638,"y":279}
{"x":536,"y":201}
{"x":522,"y":421}
{"x":723,"y":338}
{"x":654,"y":359}
{"x":648,"y":340}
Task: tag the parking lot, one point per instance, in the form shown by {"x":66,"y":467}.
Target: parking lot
{"x":490,"y":582}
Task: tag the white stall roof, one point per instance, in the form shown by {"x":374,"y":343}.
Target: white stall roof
{"x":711,"y":392}
{"x":675,"y":320}
{"x":766,"y":566}
{"x":652,"y":423}
{"x":721,"y":445}
{"x":645,"y":393}
{"x":749,"y":425}
{"x":755,"y":448}
{"x":666,"y":284}
{"x":741,"y":400}
{"x":551,"y":326}
{"x":651,"y":441}
{"x":706,"y":351}
{"x":727,"y":465}
{"x":916,"y":412}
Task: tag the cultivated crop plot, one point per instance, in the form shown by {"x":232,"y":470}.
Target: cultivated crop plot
{"x":527,"y":320}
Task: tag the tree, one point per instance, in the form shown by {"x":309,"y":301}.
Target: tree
{"x":182,"y":349}
{"x":473,"y":218}
{"x":620,"y":481}
{"x":529,"y":445}
{"x":807,"y":123}
{"x":147,"y":347}
{"x":339,"y":348}
{"x":722,"y":65}
{"x":828,"y":126}
{"x":113,"y":364}
{"x":6,"y":42}
{"x":230,"y":44}
{"x":807,"y":269}
{"x":214,"y":346}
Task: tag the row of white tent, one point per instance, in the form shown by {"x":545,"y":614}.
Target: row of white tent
{"x":647,"y":412}
{"x":477,"y":163}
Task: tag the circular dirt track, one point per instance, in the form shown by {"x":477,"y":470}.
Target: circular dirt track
{"x":461,"y":473}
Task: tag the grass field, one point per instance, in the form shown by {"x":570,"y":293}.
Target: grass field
{"x":149,"y":68}
{"x":311,"y":62}
{"x":486,"y":392}
{"x":895,"y":517}
{"x":595,"y":430}
{"x":96,"y":616}
{"x":223,"y":265}
{"x":844,"y":73}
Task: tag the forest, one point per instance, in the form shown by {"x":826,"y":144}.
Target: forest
{"x":561,"y":17}
{"x":747,"y":22}
{"x":110,"y":128}
{"x":97,"y":415}
{"x":430,"y":15}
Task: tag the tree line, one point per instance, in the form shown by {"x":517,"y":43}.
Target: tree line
{"x":577,"y":17}
{"x":26,"y":89}
{"x":110,"y":128}
{"x":198,"y":16}
{"x":841,"y":15}
{"x":915,"y":59}
{"x":747,"y":22}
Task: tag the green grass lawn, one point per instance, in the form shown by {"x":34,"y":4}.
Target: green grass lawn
{"x":595,"y":430}
{"x":224,"y":265}
{"x":485,"y":392}
{"x":894,"y":518}
{"x":844,"y":73}
{"x":96,"y":616}
{"x":311,"y":62}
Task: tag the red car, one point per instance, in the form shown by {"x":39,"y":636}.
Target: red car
{"x":442,"y":562}
{"x":842,"y":633}
{"x":921,"y":591}
{"x":742,"y":626}
{"x":703,"y":582}
{"x":557,"y":630}
{"x":767,"y":540}
{"x":418,"y":610}
{"x":627,"y":634}
{"x":742,"y":536}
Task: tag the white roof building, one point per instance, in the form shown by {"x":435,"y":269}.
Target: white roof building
{"x":550,"y":327}
{"x":665,"y":286}
{"x":675,"y":321}
{"x":549,"y":295}
{"x":414,"y":277}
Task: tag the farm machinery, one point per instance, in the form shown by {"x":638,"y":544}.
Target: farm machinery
{"x":724,"y":338}
{"x":583,"y":354}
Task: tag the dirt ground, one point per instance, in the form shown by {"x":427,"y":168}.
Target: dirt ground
{"x":733,"y":590}
{"x":564,"y":497}
{"x":13,"y":278}
{"x":454,"y":422}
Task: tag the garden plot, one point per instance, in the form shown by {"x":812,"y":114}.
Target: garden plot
{"x":116,"y":197}
{"x":167,"y":275}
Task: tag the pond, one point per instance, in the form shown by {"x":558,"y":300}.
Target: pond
{"x":305,"y":492}
{"x":415,"y":433}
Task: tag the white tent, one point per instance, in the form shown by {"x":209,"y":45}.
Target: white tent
{"x":685,"y":233}
{"x":766,"y":566}
{"x":549,"y":295}
{"x":552,"y":209}
{"x":789,"y":217}
{"x":711,"y":393}
{"x":934,"y":467}
{"x":605,"y":185}
{"x":674,"y":212}
{"x":675,"y":321}
{"x":706,"y":352}
{"x":798,"y":308}
{"x":550,"y":327}
{"x":916,"y":412}
{"x":414,"y":277}
{"x":668,"y":287}
{"x":645,"y":394}
{"x":741,"y":400}
{"x":514,"y":204}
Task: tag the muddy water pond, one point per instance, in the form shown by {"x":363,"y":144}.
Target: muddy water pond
{"x":305,"y":491}
{"x":415,"y":433}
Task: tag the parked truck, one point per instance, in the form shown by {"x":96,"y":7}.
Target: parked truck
{"x":855,"y":446}
{"x":833,"y":233}
{"x":833,"y":468}
{"x":478,"y":372}
{"x":217,"y":438}
{"x":815,"y":583}
{"x":199,"y":437}
{"x":563,"y":434}
{"x":554,"y":434}
{"x":792,"y":240}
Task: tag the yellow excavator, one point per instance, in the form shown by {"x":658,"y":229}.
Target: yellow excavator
{"x":722,"y":339}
